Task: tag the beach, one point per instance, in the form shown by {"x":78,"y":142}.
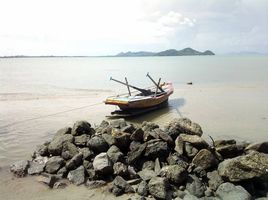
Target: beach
{"x":41,"y":95}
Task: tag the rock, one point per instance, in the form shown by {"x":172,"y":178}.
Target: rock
{"x":70,"y":149}
{"x":87,"y":164}
{"x":54,"y":164}
{"x":81,"y":140}
{"x":143,"y":189}
{"x":82,"y":127}
{"x":47,"y":179}
{"x":102,"y":126}
{"x":156,"y":149}
{"x":98,"y":144}
{"x":120,"y":169}
{"x":102,"y":164}
{"x":134,"y":155}
{"x":190,"y":197}
{"x":164,"y":136}
{"x":36,"y":168}
{"x":132,"y":173}
{"x":77,"y":176}
{"x":228,"y":148}
{"x":175,"y":159}
{"x":157,"y":166}
{"x":133,"y":145}
{"x":109,"y":139}
{"x":62,"y":172}
{"x":63,"y":131}
{"x":195,"y":140}
{"x":118,"y":123}
{"x":158,"y":187}
{"x":87,"y":153}
{"x":19,"y":168}
{"x":195,"y":186}
{"x":219,"y":143}
{"x":95,"y":184}
{"x":190,"y":150}
{"x":120,"y":186}
{"x":134,"y":181}
{"x":179,"y":146}
{"x":42,"y":150}
{"x":149,"y":126}
{"x":228,"y":191}
{"x":179,"y":193}
{"x":174,"y":173}
{"x":260,"y":147}
{"x":214,"y":180}
{"x":183,"y":125}
{"x":147,"y":174}
{"x":115,"y":154}
{"x":137,"y":135}
{"x":55,"y":146}
{"x":205,"y":159}
{"x":75,"y":161}
{"x":60,"y":184}
{"x":122,"y":140}
{"x":245,"y":167}
{"x":40,"y":160}
{"x":128,"y":129}
{"x":149,"y":164}
{"x":208,"y":192}
{"x":92,"y":174}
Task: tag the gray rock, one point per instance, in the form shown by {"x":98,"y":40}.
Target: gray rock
{"x":135,"y":154}
{"x":40,"y":160}
{"x":122,"y":140}
{"x":158,"y":187}
{"x":92,"y":174}
{"x":95,"y":184}
{"x":36,"y":168}
{"x":87,"y":153}
{"x":98,"y":144}
{"x":62,"y":172}
{"x":77,"y":176}
{"x":148,"y":165}
{"x":190,"y":150}
{"x":205,"y":159}
{"x":81,"y":140}
{"x":245,"y":167}
{"x":120,"y":186}
{"x":214,"y":180}
{"x":156,"y":149}
{"x":102,"y":126}
{"x":132,"y":173}
{"x":260,"y":147}
{"x":179,"y":146}
{"x":157,"y":166}
{"x":190,"y":197}
{"x":195,"y":140}
{"x":82,"y":127}
{"x":109,"y":139}
{"x":149,"y":126}
{"x":54,"y":164}
{"x":115,"y":154}
{"x":42,"y":150}
{"x":228,"y":191}
{"x":133,"y":145}
{"x":118,"y":123}
{"x":137,"y":135}
{"x":143,"y":188}
{"x":228,"y":148}
{"x":147,"y":174}
{"x":195,"y":186}
{"x":75,"y":161}
{"x":19,"y":168}
{"x":87,"y":164}
{"x":128,"y":129}
{"x":55,"y":146}
{"x":174,"y":173}
{"x":183,"y":125}
{"x":164,"y":136}
{"x":120,"y":169}
{"x":63,"y":131}
{"x":48,"y":179}
{"x":60,"y":184}
{"x":70,"y":148}
{"x":102,"y":164}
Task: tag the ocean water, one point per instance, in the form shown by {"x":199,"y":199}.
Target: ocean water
{"x":228,"y":98}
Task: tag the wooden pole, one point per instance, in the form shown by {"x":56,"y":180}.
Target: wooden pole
{"x":157,"y":87}
{"x":128,"y":87}
{"x":154,"y":82}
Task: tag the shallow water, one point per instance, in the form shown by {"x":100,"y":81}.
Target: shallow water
{"x":38,"y":96}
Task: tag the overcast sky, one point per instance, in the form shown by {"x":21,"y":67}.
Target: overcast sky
{"x":105,"y":27}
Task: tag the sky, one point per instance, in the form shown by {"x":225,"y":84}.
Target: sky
{"x":107,"y":27}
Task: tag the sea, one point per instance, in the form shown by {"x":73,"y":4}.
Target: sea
{"x":38,"y":96}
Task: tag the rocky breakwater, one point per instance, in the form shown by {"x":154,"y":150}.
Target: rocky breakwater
{"x":173,"y":162}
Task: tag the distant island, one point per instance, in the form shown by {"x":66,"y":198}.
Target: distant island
{"x":169,"y":52}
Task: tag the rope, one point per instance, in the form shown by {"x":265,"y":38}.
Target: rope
{"x":49,"y":115}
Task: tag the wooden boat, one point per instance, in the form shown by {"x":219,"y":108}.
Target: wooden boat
{"x":142,"y":99}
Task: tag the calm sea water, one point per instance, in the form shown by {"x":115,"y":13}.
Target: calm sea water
{"x":228,"y":97}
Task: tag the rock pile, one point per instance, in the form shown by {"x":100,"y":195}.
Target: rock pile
{"x":173,"y":162}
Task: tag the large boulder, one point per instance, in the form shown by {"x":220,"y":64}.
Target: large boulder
{"x":69,"y":150}
{"x":156,"y":149}
{"x":55,"y":146}
{"x":195,"y":186}
{"x":36,"y":168}
{"x":228,"y":191}
{"x":19,"y":168}
{"x":77,"y":176}
{"x":158,"y":187}
{"x":245,"y":167}
{"x":135,"y":154}
{"x":54,"y":164}
{"x":115,"y":154}
{"x":260,"y":147}
{"x":102,"y":164}
{"x":75,"y":161}
{"x":174,"y":173}
{"x":98,"y":144}
{"x":183,"y":125}
{"x":228,"y":148}
{"x":82,"y":127}
{"x":205,"y":159}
